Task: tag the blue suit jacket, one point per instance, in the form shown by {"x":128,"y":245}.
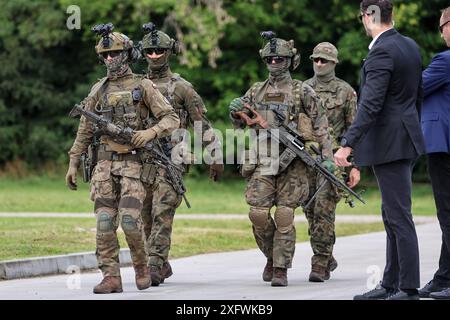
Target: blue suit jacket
{"x":436,"y":105}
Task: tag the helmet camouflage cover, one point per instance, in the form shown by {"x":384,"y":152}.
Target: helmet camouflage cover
{"x":325,"y":50}
{"x":278,"y":47}
{"x":117,"y":42}
{"x":158,"y":39}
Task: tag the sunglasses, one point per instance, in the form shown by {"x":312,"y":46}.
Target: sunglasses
{"x":441,"y":28}
{"x":322,"y":60}
{"x":112,"y":54}
{"x":158,"y":51}
{"x":274,"y":60}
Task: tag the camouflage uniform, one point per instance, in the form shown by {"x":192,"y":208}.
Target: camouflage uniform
{"x":289,"y":189}
{"x":162,"y":200}
{"x":339,"y":100}
{"x":116,"y":188}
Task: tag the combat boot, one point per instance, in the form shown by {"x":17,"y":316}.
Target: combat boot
{"x":332,"y":265}
{"x":142,"y":277}
{"x":268,"y":271}
{"x":318,"y":274}
{"x":166,"y":271}
{"x":109,"y":284}
{"x":155,"y":274}
{"x":279,"y":277}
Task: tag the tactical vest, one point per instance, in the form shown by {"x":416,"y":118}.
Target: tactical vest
{"x":121,"y":103}
{"x":168,"y":90}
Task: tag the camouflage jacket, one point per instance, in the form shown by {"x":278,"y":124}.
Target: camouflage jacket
{"x":151,"y":103}
{"x":300,"y":102}
{"x":339,"y":100}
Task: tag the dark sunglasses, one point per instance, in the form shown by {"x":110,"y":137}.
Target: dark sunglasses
{"x":441,"y":28}
{"x":273,"y":60}
{"x":158,"y":51}
{"x":322,"y":60}
{"x":112,"y":54}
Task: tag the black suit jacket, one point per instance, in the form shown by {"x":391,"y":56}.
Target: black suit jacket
{"x":386,"y":126}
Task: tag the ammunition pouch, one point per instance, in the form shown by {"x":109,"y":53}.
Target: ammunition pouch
{"x":246,"y":168}
{"x":286,"y":157}
{"x":305,"y":127}
{"x":149,"y":173}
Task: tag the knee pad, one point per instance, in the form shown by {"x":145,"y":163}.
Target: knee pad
{"x":259,"y":217}
{"x":104,"y":222}
{"x":128,"y":223}
{"x":284,"y":219}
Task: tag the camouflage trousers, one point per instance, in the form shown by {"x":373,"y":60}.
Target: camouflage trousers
{"x":286,"y":191}
{"x":321,"y":215}
{"x":157,"y":214}
{"x":118,"y":195}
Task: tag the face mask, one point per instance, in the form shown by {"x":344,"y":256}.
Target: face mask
{"x":157,"y":64}
{"x":117,"y":65}
{"x":325,"y":69}
{"x":278,"y":69}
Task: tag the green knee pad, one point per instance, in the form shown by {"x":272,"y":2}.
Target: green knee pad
{"x":104,"y":222}
{"x":128,"y":223}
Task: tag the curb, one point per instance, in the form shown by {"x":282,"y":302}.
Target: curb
{"x":62,"y":264}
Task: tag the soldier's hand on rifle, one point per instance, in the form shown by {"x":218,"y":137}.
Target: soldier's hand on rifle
{"x":354,"y":178}
{"x":140,"y":138}
{"x":216,"y":171}
{"x":329,"y":165}
{"x":71,"y":176}
{"x":236,"y":105}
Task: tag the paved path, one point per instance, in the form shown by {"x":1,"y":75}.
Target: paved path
{"x":212,"y":216}
{"x":237,"y":275}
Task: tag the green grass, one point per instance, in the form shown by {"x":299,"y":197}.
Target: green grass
{"x":31,"y":237}
{"x":49,"y":194}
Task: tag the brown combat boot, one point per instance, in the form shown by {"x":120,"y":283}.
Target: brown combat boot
{"x":166,"y":271}
{"x":317,"y":274}
{"x":142,"y":276}
{"x":268,"y":271}
{"x":332,"y":265}
{"x":155,"y":274}
{"x":109,"y":284}
{"x":279,"y":277}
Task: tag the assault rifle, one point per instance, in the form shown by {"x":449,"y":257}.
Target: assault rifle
{"x":124,"y":136}
{"x":292,"y":140}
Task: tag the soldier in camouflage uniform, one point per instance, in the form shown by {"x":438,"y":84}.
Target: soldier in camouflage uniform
{"x":339,"y":100}
{"x":288,"y":188}
{"x":117,"y":191}
{"x":162,"y":200}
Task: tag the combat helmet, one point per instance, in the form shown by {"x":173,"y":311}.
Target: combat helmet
{"x":279,"y":47}
{"x":325,"y":50}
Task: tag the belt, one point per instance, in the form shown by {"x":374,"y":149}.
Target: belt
{"x":114,"y":156}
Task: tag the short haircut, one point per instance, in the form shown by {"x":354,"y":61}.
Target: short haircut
{"x":386,"y":8}
{"x":446,"y":14}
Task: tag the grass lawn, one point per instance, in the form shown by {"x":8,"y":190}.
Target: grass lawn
{"x":44,"y":194}
{"x":30,"y":237}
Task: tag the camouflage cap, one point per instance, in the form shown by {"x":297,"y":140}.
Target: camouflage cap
{"x":283,"y":48}
{"x":118,"y":41}
{"x":162,"y":40}
{"x":325,"y":50}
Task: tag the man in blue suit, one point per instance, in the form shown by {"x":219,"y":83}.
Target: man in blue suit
{"x":436,"y":130}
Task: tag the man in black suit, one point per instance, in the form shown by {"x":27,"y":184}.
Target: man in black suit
{"x":387,"y":136}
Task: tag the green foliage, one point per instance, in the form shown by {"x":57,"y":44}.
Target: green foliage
{"x":46,"y":68}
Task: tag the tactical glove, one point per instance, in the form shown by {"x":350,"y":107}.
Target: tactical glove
{"x":140,"y":138}
{"x":329,"y":165}
{"x":236,"y":105}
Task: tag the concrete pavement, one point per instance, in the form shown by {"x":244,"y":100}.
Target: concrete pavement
{"x":237,"y":275}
